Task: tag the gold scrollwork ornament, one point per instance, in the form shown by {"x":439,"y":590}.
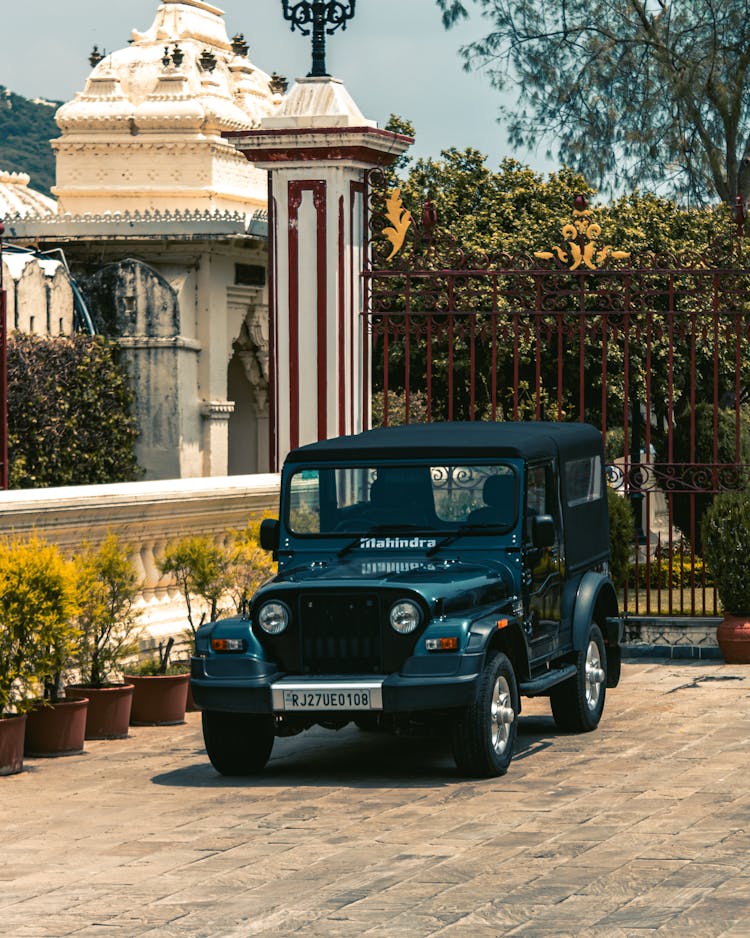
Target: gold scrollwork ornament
{"x":400,"y":219}
{"x":581,"y":236}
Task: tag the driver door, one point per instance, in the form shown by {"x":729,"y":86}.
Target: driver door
{"x":542,"y":566}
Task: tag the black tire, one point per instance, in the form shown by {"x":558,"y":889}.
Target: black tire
{"x":484,"y":735}
{"x":577,"y":703}
{"x":238,"y":743}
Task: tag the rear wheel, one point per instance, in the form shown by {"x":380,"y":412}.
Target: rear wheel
{"x":577,"y":703}
{"x":238,"y":743}
{"x":484,"y":735}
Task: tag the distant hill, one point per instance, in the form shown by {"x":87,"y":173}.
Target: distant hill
{"x":26,"y":128}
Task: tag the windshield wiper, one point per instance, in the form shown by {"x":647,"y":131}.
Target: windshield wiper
{"x":454,"y":536}
{"x":375,"y":529}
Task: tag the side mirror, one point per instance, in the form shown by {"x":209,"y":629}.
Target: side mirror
{"x":543,"y":531}
{"x":269,"y":534}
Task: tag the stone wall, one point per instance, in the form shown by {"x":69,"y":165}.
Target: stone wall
{"x":147,"y":516}
{"x":39,"y":295}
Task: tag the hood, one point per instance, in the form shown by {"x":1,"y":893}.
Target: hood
{"x":454,"y":583}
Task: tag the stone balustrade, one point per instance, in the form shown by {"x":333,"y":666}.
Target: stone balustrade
{"x":147,"y":516}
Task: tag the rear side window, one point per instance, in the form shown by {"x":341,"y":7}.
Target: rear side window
{"x":584,"y":480}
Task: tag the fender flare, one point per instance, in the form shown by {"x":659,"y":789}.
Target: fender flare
{"x":509,"y":639}
{"x":596,"y":594}
{"x":596,"y":601}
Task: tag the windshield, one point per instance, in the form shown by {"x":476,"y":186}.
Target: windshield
{"x":423,"y":497}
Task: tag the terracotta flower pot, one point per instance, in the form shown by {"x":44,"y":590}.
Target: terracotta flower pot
{"x":733,"y":636}
{"x":158,"y":699}
{"x":57,"y":729}
{"x":12,"y":730}
{"x":108,"y":715}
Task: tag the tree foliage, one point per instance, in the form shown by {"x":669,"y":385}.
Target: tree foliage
{"x":631,"y":92}
{"x":70,"y":419}
{"x":621,"y":536}
{"x":26,"y":128}
{"x":501,"y":217}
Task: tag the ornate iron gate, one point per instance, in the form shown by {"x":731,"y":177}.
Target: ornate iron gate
{"x":654,"y":350}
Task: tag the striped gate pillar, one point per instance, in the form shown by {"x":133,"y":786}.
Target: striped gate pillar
{"x":317,"y":150}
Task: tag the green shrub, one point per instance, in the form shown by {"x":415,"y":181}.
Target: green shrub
{"x":621,"y":536}
{"x":726,"y":546}
{"x":704,"y":453}
{"x":201,"y":569}
{"x":212,"y":575}
{"x":70,"y":419}
{"x":250,"y":565}
{"x":678,"y":573}
{"x":37,"y":635}
{"x":107,"y":588}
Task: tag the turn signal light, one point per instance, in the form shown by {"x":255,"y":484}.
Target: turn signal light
{"x":228,"y":644}
{"x":442,"y":644}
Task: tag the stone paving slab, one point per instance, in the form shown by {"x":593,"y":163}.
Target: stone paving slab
{"x":642,"y":827}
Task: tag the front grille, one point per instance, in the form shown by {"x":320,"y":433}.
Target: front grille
{"x":340,"y":634}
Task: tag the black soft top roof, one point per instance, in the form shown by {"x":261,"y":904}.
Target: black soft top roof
{"x":527,"y":440}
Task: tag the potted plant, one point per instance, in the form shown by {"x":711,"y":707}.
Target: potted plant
{"x":160,"y":689}
{"x":37,"y":601}
{"x":108,"y":636}
{"x":55,"y":726}
{"x":15,"y":670}
{"x":209,"y":574}
{"x":726,"y":545}
{"x":201,"y":570}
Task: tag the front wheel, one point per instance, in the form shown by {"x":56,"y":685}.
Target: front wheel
{"x":238,"y":743}
{"x":484,"y":735}
{"x":577,"y":703}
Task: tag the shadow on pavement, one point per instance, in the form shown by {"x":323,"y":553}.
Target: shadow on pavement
{"x":354,"y":759}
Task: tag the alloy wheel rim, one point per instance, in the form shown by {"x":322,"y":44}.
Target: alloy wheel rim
{"x":502,"y":715}
{"x":595,"y":676}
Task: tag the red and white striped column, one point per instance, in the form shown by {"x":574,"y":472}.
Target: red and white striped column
{"x":318,"y":151}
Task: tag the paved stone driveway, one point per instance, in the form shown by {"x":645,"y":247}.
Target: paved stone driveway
{"x":641,"y":827}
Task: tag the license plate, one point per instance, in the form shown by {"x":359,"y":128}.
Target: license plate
{"x":301,"y":696}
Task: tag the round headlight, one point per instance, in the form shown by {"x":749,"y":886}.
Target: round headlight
{"x":273,"y":618}
{"x":405,"y":616}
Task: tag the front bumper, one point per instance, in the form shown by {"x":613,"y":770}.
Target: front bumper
{"x":393,"y":693}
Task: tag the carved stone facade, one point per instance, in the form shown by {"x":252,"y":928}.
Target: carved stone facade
{"x":39,"y":294}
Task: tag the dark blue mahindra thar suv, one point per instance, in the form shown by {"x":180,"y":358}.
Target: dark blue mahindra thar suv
{"x":429,"y":577}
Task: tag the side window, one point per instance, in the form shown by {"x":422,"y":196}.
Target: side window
{"x":541,"y":497}
{"x":584,"y":480}
{"x":536,"y":495}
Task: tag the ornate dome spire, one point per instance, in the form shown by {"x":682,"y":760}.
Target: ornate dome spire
{"x":146,"y":132}
{"x":188,"y":36}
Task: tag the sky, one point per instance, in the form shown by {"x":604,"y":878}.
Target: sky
{"x":394,"y":57}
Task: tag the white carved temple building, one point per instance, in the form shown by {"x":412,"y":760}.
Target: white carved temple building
{"x":163,"y":223}
{"x":165,"y":163}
